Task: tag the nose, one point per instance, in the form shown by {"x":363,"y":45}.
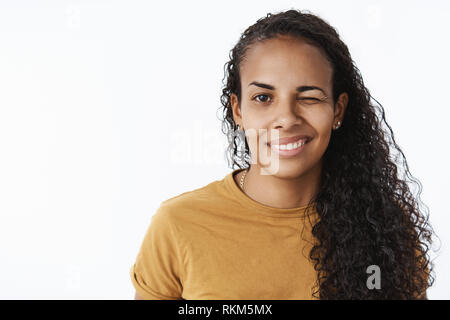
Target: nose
{"x":286,"y":114}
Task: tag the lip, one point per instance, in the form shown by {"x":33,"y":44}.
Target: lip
{"x":289,"y":153}
{"x":290,"y":139}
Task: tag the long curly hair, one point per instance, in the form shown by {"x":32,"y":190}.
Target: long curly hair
{"x":367,"y":213}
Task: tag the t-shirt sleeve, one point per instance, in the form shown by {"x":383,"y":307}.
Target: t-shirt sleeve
{"x":156,"y":273}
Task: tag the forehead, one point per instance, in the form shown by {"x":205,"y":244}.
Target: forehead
{"x":286,"y":61}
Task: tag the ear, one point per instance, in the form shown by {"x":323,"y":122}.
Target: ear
{"x":339,"y":108}
{"x":237,"y":115}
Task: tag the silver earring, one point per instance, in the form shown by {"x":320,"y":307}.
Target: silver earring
{"x":337,"y":125}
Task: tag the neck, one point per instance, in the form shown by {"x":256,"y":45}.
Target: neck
{"x":280,"y":190}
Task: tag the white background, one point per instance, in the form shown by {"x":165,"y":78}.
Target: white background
{"x":99,"y":98}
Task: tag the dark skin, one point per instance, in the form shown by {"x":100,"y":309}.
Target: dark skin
{"x":287,"y":63}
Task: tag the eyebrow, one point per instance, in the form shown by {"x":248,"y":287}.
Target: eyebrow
{"x":298,"y":89}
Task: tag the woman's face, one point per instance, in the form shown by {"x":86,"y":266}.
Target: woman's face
{"x":298,"y":102}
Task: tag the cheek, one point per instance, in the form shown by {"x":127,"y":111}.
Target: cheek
{"x":256,"y":123}
{"x":321,"y":122}
{"x":323,"y":130}
{"x":321,"y":119}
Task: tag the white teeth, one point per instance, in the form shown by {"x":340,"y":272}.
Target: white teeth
{"x":290,"y":146}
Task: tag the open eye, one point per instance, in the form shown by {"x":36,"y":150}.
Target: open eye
{"x":260,"y":95}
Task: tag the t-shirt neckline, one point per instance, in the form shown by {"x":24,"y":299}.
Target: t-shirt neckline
{"x":245,"y":200}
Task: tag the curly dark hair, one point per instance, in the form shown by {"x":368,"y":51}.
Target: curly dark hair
{"x":367,"y":213}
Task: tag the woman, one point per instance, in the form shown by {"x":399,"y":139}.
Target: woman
{"x":315,"y":208}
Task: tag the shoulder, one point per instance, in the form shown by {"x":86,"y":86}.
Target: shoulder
{"x":210,"y":192}
{"x":184,"y":205}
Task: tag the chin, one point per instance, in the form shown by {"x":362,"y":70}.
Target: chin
{"x":285,"y":170}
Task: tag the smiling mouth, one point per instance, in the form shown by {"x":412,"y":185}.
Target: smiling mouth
{"x":290,"y":146}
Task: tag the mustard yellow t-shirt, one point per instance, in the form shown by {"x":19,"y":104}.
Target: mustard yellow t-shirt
{"x":215,"y":242}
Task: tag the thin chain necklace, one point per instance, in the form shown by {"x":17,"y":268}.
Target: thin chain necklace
{"x":242,"y":179}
